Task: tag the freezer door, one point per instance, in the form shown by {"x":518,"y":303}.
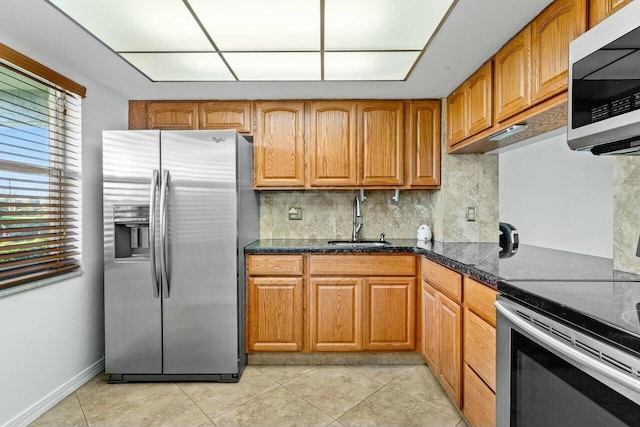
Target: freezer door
{"x":200,"y":303}
{"x":133,"y":334}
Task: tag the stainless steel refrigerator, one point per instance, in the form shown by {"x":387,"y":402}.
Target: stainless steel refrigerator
{"x":179,"y":206}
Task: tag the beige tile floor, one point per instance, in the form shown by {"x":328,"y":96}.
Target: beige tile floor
{"x":369,"y":395}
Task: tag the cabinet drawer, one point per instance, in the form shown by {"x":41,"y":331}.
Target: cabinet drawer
{"x":447,"y":281}
{"x":480,"y":347}
{"x":480,"y":298}
{"x":479,"y":401}
{"x":275,"y":265}
{"x":363,"y":265}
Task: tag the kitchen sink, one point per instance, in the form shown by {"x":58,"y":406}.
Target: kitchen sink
{"x":359,"y":243}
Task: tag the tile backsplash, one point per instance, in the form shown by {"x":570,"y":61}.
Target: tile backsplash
{"x":626,"y":213}
{"x":468,"y":180}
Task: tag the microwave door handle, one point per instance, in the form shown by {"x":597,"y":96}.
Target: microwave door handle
{"x":155,"y":282}
{"x":163,"y":233}
{"x":568,"y":352}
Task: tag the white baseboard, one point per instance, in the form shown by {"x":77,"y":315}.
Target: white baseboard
{"x":56,"y":396}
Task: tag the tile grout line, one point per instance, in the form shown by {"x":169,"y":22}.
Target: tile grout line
{"x":195,"y":404}
{"x":86,"y":420}
{"x":432,"y":405}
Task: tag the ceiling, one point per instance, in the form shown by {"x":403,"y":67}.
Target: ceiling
{"x":472,"y":32}
{"x":257,"y":40}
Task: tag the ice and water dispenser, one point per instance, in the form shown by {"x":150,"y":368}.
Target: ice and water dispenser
{"x":131,"y":225}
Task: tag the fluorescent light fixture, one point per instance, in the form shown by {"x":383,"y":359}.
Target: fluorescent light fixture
{"x":138,"y":25}
{"x":275,"y":66}
{"x":180,"y":66}
{"x":258,"y":40}
{"x":368,"y":65}
{"x":259,"y":25}
{"x":381,"y":24}
{"x":505,"y":133}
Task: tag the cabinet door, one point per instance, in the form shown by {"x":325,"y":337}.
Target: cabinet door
{"x":479,"y":401}
{"x":279,"y":144}
{"x":450,"y":317}
{"x":551,"y":32}
{"x":332,"y":149}
{"x":600,"y":9}
{"x":173,"y":115}
{"x":513,"y":76}
{"x":480,"y":347}
{"x":479,"y":99}
{"x":389,"y":313}
{"x":226,"y":115}
{"x":335,"y":314}
{"x":424,"y":143}
{"x":275,"y":314}
{"x":430,"y":325}
{"x":456,"y":117}
{"x":381,"y":142}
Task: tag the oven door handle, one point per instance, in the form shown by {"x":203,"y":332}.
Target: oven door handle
{"x":568,"y":352}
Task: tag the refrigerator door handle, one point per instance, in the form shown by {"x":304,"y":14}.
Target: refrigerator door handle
{"x":164,"y":187}
{"x":155,"y":283}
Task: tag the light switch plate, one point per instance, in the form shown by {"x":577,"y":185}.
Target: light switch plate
{"x":295,"y":213}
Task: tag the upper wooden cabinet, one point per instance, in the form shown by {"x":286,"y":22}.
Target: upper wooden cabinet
{"x":226,"y":115}
{"x":331,"y":143}
{"x":457,"y":128}
{"x":600,"y":9}
{"x":191,"y":115}
{"x":381,"y":142}
{"x":279,"y":144}
{"x":172,"y":115}
{"x":513,"y":76}
{"x":551,"y":32}
{"x":424,"y":143}
{"x":469,"y":108}
{"x":480,"y":99}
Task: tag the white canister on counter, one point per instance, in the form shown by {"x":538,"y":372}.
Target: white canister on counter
{"x":424,"y":233}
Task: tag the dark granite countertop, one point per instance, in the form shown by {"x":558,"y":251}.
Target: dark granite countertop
{"x":581,"y":289}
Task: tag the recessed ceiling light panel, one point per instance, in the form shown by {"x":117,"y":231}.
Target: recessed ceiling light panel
{"x":368,"y":65}
{"x":138,"y":25}
{"x":274,"y":66}
{"x":180,"y":66}
{"x":259,"y":25}
{"x":381,"y":24}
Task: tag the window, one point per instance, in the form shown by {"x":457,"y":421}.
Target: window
{"x":40,"y":154}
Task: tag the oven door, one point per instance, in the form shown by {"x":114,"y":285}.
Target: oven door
{"x":551,"y":375}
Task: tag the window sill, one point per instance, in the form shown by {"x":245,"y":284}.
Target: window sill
{"x":39,"y":283}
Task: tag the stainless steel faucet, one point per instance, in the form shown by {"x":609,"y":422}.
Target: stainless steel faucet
{"x":357,"y":219}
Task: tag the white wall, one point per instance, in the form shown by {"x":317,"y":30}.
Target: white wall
{"x":50,"y":335}
{"x":558,"y":198}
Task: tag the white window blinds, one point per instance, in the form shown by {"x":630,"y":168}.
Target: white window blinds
{"x":39,"y":177}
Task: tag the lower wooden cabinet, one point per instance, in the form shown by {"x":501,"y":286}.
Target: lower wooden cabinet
{"x":479,"y":401}
{"x":335,"y":314}
{"x":275,"y":306}
{"x":441,"y":340}
{"x":389,"y":318}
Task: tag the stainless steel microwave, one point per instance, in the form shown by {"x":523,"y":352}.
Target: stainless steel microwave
{"x":604,"y":86}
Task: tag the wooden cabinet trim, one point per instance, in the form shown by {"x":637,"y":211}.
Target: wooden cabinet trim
{"x":456,"y":116}
{"x":480,"y":347}
{"x":442,"y":278}
{"x":430,"y":327}
{"x":479,"y":99}
{"x":275,"y":265}
{"x":363,"y":265}
{"x":480,"y":299}
{"x":513,"y":76}
{"x":450,"y":374}
{"x":601,"y":9}
{"x":172,"y":115}
{"x":479,"y":401}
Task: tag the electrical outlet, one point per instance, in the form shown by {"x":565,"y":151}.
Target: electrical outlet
{"x":471,"y":213}
{"x":295,"y":213}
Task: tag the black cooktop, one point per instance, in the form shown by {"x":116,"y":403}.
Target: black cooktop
{"x":608,"y":309}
